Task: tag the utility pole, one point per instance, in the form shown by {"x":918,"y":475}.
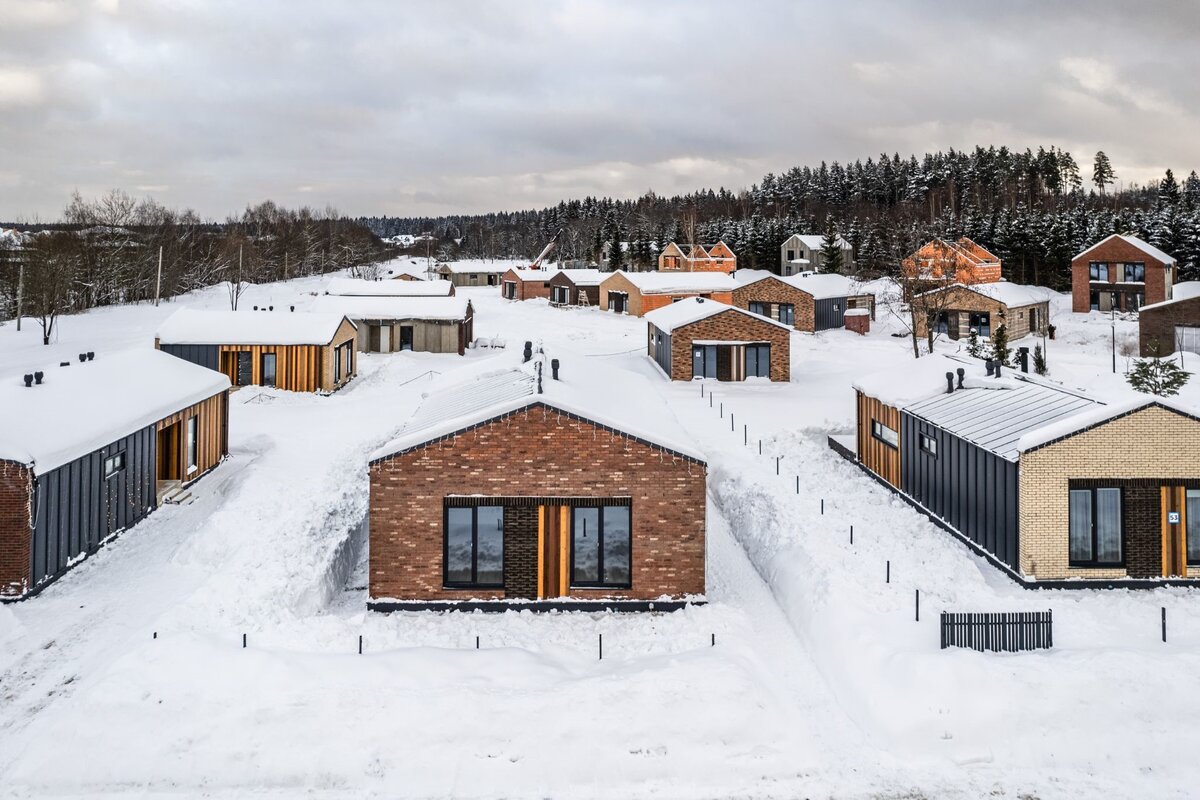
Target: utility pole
{"x":237,"y":290}
{"x":158,"y":283}
{"x":285,"y":265}
{"x":1113,"y":323}
{"x":20,"y":291}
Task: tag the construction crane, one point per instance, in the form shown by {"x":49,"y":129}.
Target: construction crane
{"x":547,"y":250}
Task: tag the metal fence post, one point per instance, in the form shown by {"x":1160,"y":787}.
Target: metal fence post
{"x":918,"y":596}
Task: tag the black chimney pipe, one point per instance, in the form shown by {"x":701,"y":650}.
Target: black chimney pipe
{"x":528,"y":350}
{"x":256,"y":308}
{"x":949,"y":383}
{"x":997,"y":368}
{"x":91,"y":355}
{"x":82,"y":357}
{"x":270,"y":308}
{"x":37,"y":377}
{"x":1023,"y":354}
{"x":991,"y":367}
{"x":554,"y":368}
{"x":962,"y":374}
{"x":28,"y":381}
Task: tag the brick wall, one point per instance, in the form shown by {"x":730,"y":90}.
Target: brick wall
{"x":773,"y":290}
{"x":1111,"y":252}
{"x":16,"y":536}
{"x":620,"y":283}
{"x":959,"y":299}
{"x":731,"y":326}
{"x":1157,"y":325}
{"x":527,"y":289}
{"x":536,"y":452}
{"x":649,"y":302}
{"x":521,"y":552}
{"x":1153,"y":443}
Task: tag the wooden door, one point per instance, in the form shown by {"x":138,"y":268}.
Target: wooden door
{"x":553,"y":551}
{"x":406,"y":337}
{"x":167,"y":454}
{"x":1174,"y":532}
{"x":373,"y":336}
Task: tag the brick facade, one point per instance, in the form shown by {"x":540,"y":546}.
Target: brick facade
{"x":730,"y":326}
{"x":525,"y":289}
{"x":536,"y":451}
{"x":960,"y":301}
{"x":1157,"y":447}
{"x":639,"y":304}
{"x":1113,"y":252}
{"x":962,"y":261}
{"x":16,"y":534}
{"x":695,"y":258}
{"x":1156,"y":326}
{"x":591,"y":292}
{"x":775,"y":291}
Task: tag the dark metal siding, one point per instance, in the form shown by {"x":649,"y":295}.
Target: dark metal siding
{"x":206,"y":355}
{"x":662,"y":350}
{"x":75,"y":508}
{"x":825,"y":316}
{"x":972,"y":490}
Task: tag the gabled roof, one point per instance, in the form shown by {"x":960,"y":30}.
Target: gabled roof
{"x":196,"y":326}
{"x":582,"y":277}
{"x":526,"y":274}
{"x":388,"y":288}
{"x":814,"y":241}
{"x":1187,"y":290}
{"x":467,"y":267}
{"x":1079,"y":423}
{"x":1145,"y":247}
{"x":417,"y":308}
{"x":673,"y":282}
{"x":685,"y":312}
{"x":457,"y":407}
{"x":1011,"y":295}
{"x":86,"y":406}
{"x":824,"y":285}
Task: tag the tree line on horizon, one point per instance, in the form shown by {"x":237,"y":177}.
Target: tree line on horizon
{"x":1031,"y":208}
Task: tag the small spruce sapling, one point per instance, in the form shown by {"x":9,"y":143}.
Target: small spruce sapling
{"x":1000,"y":350}
{"x":1039,"y":360}
{"x":1156,"y":376}
{"x":973,"y":344}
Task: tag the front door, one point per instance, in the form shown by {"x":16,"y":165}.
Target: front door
{"x":373,"y":338}
{"x":406,"y":337}
{"x":167,"y":454}
{"x":1180,"y":530}
{"x":245,"y":368}
{"x":553,"y":551}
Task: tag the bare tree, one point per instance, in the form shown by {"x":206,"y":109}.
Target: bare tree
{"x":53,"y":261}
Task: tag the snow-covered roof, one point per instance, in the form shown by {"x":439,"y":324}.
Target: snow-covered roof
{"x":685,"y":312}
{"x":824,"y":285}
{"x":526,"y":274}
{"x":745,"y":276}
{"x":458,"y":405}
{"x":426,"y":308}
{"x":81,"y":408}
{"x":465,"y":267}
{"x":911,"y":380}
{"x":583,"y":277}
{"x":1096,"y":416}
{"x":195,"y":326}
{"x":389,"y":288}
{"x":994,"y":413}
{"x":1180,"y":291}
{"x":1145,"y":247}
{"x":1012,"y":295}
{"x":668,"y":282}
{"x":813,"y":241}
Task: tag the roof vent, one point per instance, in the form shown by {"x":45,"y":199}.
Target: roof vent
{"x":991,"y":367}
{"x":256,"y":308}
{"x":28,"y":380}
{"x":997,"y":368}
{"x":91,"y":355}
{"x":37,"y":377}
{"x":949,"y":383}
{"x":64,"y":363}
{"x":699,"y":299}
{"x":291,"y":308}
{"x":82,"y":357}
{"x":962,"y":373}
{"x":270,"y":308}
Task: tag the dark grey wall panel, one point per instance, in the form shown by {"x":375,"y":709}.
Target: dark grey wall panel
{"x":76,"y":508}
{"x":829,"y":313}
{"x":662,"y":351}
{"x":206,"y":355}
{"x":972,"y":490}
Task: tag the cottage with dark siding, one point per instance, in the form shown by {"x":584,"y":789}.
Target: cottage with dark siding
{"x":89,"y":449}
{"x":808,"y":303}
{"x":576,"y":287}
{"x":294,"y":350}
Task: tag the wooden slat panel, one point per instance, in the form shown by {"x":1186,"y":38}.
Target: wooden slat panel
{"x":876,"y":456}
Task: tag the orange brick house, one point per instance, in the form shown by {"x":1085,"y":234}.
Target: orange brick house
{"x":526,"y":284}
{"x":697,"y":258}
{"x":635,"y":293}
{"x":509,"y":491}
{"x":962,"y":262}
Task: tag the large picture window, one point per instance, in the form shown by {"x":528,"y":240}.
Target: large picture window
{"x":1095,"y":527}
{"x":268,"y":369}
{"x":601,"y":542}
{"x":474,"y":547}
{"x":1098,"y":271}
{"x":1192,"y":513}
{"x":1135,"y":273}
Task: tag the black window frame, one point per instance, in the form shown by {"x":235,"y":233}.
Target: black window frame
{"x":1138,"y":267}
{"x":927,"y":444}
{"x":1094,"y":562}
{"x":600,"y":582}
{"x":262,"y":369}
{"x":790,"y":309}
{"x":474,"y":582}
{"x":114,"y":464}
{"x":1188,"y":523}
{"x":1098,"y":271}
{"x":875,"y":435}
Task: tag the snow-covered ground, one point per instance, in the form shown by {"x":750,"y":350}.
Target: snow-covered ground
{"x":128,"y":675}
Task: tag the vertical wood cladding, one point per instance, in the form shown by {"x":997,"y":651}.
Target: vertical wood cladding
{"x":536,"y":452}
{"x":298,"y":367}
{"x":212,"y":435}
{"x":16,"y":536}
{"x":875,"y":455}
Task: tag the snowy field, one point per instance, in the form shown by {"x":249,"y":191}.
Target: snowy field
{"x":128,"y":677}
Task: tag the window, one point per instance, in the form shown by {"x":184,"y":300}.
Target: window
{"x":758,"y":308}
{"x":787,"y":313}
{"x":1192,"y":514}
{"x":1135,"y":273}
{"x":1098,"y":271}
{"x":981,"y":321}
{"x":268,"y":369}
{"x":600,"y":547}
{"x":928,"y":445}
{"x":885,"y":434}
{"x":758,"y":361}
{"x":337,"y":364}
{"x":1095,"y":527}
{"x":791,"y":256}
{"x":474,"y":547}
{"x":193,"y":424}
{"x":116,"y":462}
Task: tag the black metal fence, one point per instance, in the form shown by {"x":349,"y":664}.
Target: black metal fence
{"x":1004,"y":632}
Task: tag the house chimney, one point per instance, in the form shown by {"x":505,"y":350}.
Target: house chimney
{"x":37,"y":377}
{"x":28,"y":381}
{"x":962,"y":374}
{"x":554,"y":368}
{"x":949,"y":383}
{"x":991,"y":367}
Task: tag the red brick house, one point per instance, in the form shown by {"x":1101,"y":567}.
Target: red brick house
{"x":697,"y":258}
{"x":518,"y":498}
{"x":700,"y":338}
{"x":526,"y":284}
{"x":1172,"y":325}
{"x":806,"y":302}
{"x":963,"y":261}
{"x":1122,"y":273}
{"x":636,"y":293}
{"x":575,"y":287}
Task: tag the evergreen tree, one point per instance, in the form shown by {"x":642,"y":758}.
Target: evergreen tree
{"x":1156,"y":376}
{"x":973,"y":344}
{"x":831,"y":251}
{"x":1039,"y":360}
{"x":1102,"y":171}
{"x":1000,"y":350}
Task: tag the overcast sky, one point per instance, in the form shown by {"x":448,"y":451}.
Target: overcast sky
{"x":441,"y":107}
